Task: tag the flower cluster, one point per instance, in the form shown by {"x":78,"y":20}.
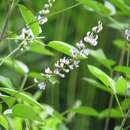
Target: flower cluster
{"x":127,"y":34}
{"x":42,"y":14}
{"x":25,"y":35}
{"x":65,"y":65}
{"x":90,"y":38}
{"x":62,"y":67}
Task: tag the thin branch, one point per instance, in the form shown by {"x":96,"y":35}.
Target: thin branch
{"x":5,"y":25}
{"x":124,"y":119}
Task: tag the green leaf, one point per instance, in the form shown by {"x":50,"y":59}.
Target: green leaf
{"x":122,"y":6}
{"x":121,"y":85}
{"x":39,"y":47}
{"x":9,"y":100}
{"x":24,"y":111}
{"x":125,"y":104}
{"x":30,"y":20}
{"x":85,"y":111}
{"x":113,"y":113}
{"x":101,"y":58}
{"x":122,"y":69}
{"x":97,"y":85}
{"x":103,"y":77}
{"x":22,"y":96}
{"x":4,"y":122}
{"x":111,"y":7}
{"x":118,"y":128}
{"x":18,"y":123}
{"x":95,"y":6}
{"x":6,"y":82}
{"x":119,"y":43}
{"x":17,"y":65}
{"x":63,"y":48}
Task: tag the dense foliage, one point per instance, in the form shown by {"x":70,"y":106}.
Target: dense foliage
{"x":64,"y":65}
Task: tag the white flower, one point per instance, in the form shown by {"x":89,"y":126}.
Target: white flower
{"x":127,"y":34}
{"x":91,"y":38}
{"x":74,"y":52}
{"x":62,"y":75}
{"x":80,"y":45}
{"x":50,"y":110}
{"x":71,"y":67}
{"x":66,"y":70}
{"x":48,"y":70}
{"x":76,"y":63}
{"x":42,"y":14}
{"x":64,"y":60}
{"x":46,"y":6}
{"x":41,"y":19}
{"x":42,"y":86}
{"x":98,"y":28}
{"x":56,"y":71}
{"x":1,"y":94}
{"x":35,"y":80}
{"x":84,"y":52}
{"x":7,"y":112}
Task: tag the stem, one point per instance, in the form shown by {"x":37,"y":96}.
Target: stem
{"x":9,"y":55}
{"x":119,"y":104}
{"x":128,"y":112}
{"x":24,"y":81}
{"x":124,"y":119}
{"x":31,"y":86}
{"x":13,"y":38}
{"x":7,"y":19}
{"x":109,"y":107}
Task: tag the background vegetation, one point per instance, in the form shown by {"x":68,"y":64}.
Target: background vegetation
{"x":85,"y":88}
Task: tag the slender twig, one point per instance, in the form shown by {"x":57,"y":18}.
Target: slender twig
{"x":6,"y":19}
{"x":118,"y":102}
{"x":13,"y":52}
{"x":109,"y":107}
{"x":128,"y":112}
{"x":9,"y":55}
{"x":124,"y":119}
{"x":31,"y":86}
{"x":24,"y":81}
{"x":11,"y":38}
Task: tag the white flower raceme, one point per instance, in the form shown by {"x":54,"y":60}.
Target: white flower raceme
{"x":90,"y":38}
{"x":64,"y":65}
{"x":97,"y":28}
{"x":26,"y":33}
{"x":25,"y":36}
{"x":42,"y":14}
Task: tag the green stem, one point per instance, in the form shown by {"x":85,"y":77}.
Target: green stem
{"x":118,"y":102}
{"x":24,"y":81}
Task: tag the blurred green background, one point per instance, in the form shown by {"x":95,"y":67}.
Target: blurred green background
{"x":69,"y":26}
